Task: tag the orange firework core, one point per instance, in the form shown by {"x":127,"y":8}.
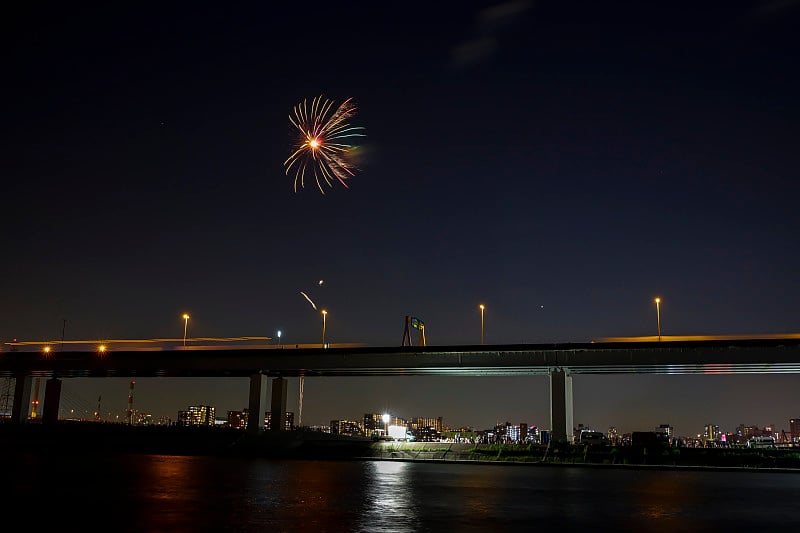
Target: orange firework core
{"x":313,"y":143}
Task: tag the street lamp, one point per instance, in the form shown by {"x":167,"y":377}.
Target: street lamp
{"x":482,"y":307}
{"x":185,"y":328}
{"x":324,"y":320}
{"x":386,"y":419}
{"x":658,"y":316}
{"x":279,"y":338}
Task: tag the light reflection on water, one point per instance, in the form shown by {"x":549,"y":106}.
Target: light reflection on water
{"x":388,"y":502}
{"x":146,"y":493}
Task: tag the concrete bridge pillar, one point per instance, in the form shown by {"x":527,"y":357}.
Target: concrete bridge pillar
{"x":561,"y":412}
{"x":255,"y":403}
{"x":52,"y":400}
{"x":22,"y":399}
{"x":278,"y":409}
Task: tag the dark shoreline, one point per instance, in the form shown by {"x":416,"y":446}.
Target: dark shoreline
{"x":99,"y":438}
{"x":663,"y":467}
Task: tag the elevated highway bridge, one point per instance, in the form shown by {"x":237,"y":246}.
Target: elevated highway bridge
{"x":768,"y":354}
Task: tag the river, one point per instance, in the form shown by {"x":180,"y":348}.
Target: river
{"x":162,"y":493}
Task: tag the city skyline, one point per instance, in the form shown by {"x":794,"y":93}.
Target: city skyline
{"x":232,"y":396}
{"x":142,"y":417}
{"x":562,"y":164}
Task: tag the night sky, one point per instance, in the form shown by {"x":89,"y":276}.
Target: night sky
{"x":561,"y":162}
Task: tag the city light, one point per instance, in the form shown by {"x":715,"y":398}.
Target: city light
{"x":658,"y":316}
{"x":185,"y":328}
{"x":386,"y":419}
{"x":324,"y":321}
{"x":482,"y":307}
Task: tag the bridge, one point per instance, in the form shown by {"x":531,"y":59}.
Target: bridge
{"x":771,"y":354}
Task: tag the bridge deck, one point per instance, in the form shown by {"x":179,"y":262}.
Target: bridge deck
{"x":717,"y":356}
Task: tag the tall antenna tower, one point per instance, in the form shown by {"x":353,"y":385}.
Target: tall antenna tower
{"x":130,"y":402}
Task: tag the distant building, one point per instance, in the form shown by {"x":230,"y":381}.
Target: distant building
{"x":506,"y":433}
{"x":794,"y":429}
{"x":747,"y":432}
{"x":346,"y":427}
{"x":711,"y":432}
{"x":197,"y":415}
{"x":236,"y":419}
{"x":666,"y":429}
{"x":418,"y":423}
{"x":288,"y":420}
{"x":397,"y":421}
{"x":373,"y":424}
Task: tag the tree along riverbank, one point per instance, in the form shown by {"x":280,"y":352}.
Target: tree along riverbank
{"x":94,"y":438}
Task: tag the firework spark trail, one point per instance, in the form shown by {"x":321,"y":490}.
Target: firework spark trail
{"x":323,"y":147}
{"x":309,"y":300}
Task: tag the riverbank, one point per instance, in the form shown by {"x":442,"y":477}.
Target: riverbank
{"x":99,"y":438}
{"x":109,"y":438}
{"x":657,"y":458}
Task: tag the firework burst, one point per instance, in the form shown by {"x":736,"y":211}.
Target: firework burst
{"x":324,"y":146}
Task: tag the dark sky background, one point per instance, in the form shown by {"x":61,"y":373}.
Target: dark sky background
{"x":562,"y":162}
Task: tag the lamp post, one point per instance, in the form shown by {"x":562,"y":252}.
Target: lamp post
{"x":324,"y":321}
{"x":658,"y":316}
{"x":279,"y":338}
{"x":482,"y":307}
{"x":386,"y":419}
{"x":185,"y":328}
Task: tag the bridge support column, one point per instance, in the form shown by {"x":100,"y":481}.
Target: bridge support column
{"x":22,"y":399}
{"x":278,"y":409}
{"x":52,"y":400}
{"x":561,"y":412}
{"x":255,"y":404}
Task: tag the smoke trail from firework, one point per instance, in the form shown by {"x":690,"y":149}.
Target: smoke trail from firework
{"x":309,"y":300}
{"x":323,"y":147}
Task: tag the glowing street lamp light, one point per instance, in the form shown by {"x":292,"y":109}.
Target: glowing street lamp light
{"x":658,"y":316}
{"x":324,"y":321}
{"x":185,"y":328}
{"x":386,"y":419}
{"x":279,"y":338}
{"x":482,"y":308}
